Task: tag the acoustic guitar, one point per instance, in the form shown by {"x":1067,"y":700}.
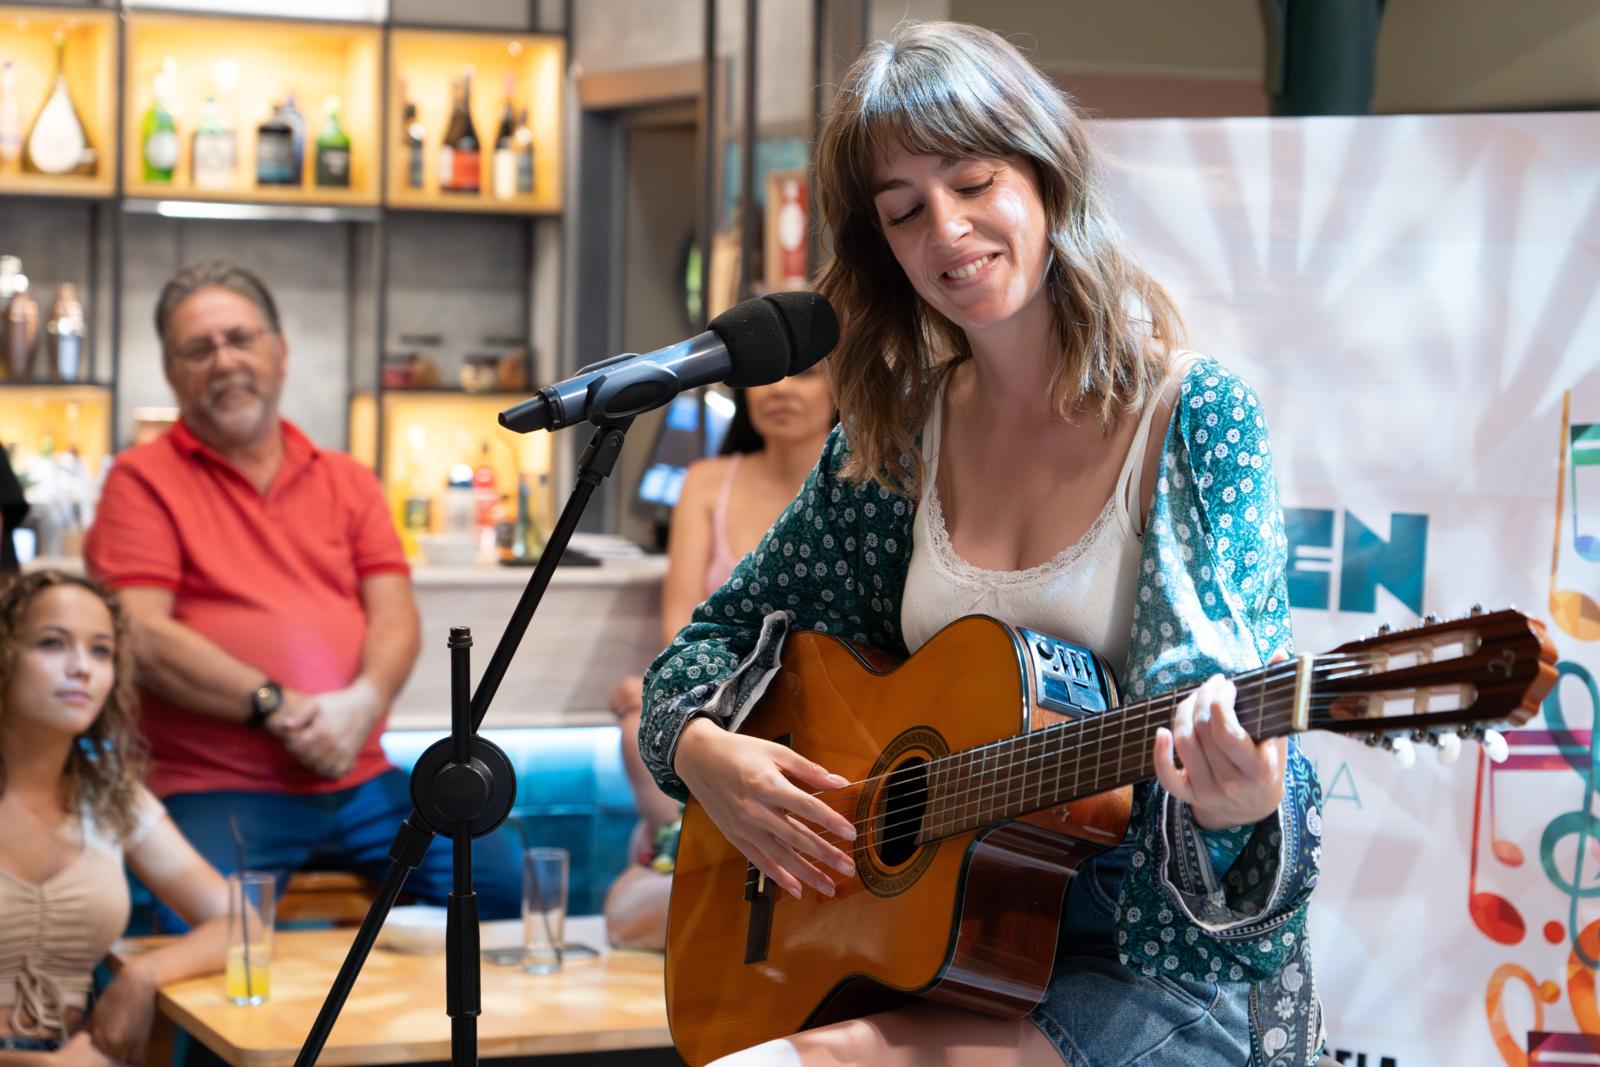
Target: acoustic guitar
{"x":984,"y":770}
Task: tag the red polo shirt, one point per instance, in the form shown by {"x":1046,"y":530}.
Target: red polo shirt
{"x":272,"y":579}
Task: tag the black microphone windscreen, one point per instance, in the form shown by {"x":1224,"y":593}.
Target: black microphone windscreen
{"x":758,"y":343}
{"x":812,"y":325}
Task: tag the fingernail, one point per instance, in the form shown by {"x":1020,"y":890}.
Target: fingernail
{"x":846,"y":868}
{"x":794,"y":891}
{"x":826,"y":889}
{"x":847,"y":831}
{"x":839,"y":780}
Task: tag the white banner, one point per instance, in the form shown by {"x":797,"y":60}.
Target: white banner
{"x":1417,"y":300}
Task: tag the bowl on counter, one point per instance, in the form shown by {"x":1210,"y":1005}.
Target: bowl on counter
{"x":449,"y":550}
{"x":415,"y":928}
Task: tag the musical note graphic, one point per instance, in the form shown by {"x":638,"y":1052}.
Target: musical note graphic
{"x":1571,"y":609}
{"x":1546,"y":992}
{"x":1581,"y":822}
{"x":1492,"y":913}
{"x":1507,"y":852}
{"x":1580,"y":980}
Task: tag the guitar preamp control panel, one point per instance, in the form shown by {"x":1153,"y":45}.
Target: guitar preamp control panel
{"x":1071,"y":679}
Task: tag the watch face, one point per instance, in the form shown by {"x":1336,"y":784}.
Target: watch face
{"x":268,"y":697}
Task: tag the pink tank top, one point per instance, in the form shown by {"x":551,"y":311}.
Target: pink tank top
{"x":720,"y":567}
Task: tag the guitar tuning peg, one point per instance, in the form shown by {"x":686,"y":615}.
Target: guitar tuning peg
{"x":1495,"y":746}
{"x":1449,"y":748}
{"x":1476,"y":609}
{"x":1405,"y":753}
{"x":1384,"y":629}
{"x":1430,"y":618}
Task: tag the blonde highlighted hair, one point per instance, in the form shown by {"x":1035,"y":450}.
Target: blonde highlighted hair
{"x":959,"y":91}
{"x":106,"y":766}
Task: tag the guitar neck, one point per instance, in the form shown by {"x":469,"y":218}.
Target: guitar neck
{"x":1082,"y":757}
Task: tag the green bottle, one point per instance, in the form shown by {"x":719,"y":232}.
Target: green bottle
{"x":159,"y":134}
{"x":333,"y":151}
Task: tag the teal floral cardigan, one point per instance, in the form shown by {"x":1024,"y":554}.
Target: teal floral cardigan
{"x":1226,"y":907}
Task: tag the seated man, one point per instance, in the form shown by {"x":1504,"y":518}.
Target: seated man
{"x":271,"y":611}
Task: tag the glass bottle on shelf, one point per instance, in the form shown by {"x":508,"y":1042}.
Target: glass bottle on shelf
{"x":10,"y":270}
{"x":333,"y":151}
{"x":484,"y":489}
{"x":64,"y":337}
{"x":158,"y":134}
{"x":275,"y":151}
{"x":21,"y":330}
{"x":296,"y":122}
{"x":10,"y":120}
{"x":214,"y":154}
{"x":523,"y":139}
{"x":460,"y":154}
{"x":58,"y":142}
{"x":411,"y":138}
{"x":503,"y":183}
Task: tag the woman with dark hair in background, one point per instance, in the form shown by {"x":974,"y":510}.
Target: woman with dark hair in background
{"x":726,"y":505}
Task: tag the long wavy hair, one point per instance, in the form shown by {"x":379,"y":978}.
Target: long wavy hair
{"x":106,"y":765}
{"x":962,"y":92}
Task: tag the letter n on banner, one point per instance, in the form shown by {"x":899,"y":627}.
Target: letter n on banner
{"x":1396,"y":564}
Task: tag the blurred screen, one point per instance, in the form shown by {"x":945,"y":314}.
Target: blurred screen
{"x":678,"y":443}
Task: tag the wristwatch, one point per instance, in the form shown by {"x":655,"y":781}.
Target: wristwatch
{"x":264,"y":700}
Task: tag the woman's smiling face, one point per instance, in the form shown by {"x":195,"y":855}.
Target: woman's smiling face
{"x":970,"y":234}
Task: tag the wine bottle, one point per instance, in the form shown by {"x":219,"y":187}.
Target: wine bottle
{"x":296,"y":122}
{"x":333,"y":151}
{"x":58,"y":143}
{"x":158,"y":134}
{"x":10,"y":120}
{"x":504,"y":176}
{"x":461,"y":152}
{"x":64,"y":337}
{"x":524,"y":143}
{"x":411,"y":140}
{"x":21,"y":329}
{"x":275,"y":151}
{"x":214,"y":154}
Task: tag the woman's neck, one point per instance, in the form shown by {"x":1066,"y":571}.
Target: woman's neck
{"x":1012,"y":364}
{"x":34,"y":760}
{"x":788,"y":462}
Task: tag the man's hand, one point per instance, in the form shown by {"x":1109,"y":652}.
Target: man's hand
{"x":330,"y":740}
{"x":124,"y":1013}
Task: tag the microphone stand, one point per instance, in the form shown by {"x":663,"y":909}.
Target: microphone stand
{"x":464,"y":786}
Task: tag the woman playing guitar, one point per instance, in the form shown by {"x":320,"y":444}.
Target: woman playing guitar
{"x":1021,"y":435}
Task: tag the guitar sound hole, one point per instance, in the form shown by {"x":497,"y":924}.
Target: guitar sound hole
{"x":905,"y":798}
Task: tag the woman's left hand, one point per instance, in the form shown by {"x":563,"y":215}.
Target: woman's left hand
{"x":124,"y":1013}
{"x":1227,"y":778}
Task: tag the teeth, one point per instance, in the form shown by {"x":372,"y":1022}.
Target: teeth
{"x":969,"y":270}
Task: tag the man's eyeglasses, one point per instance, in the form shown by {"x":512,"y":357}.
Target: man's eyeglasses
{"x":205,"y":349}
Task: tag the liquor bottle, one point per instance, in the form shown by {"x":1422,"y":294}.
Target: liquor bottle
{"x":503,"y":183}
{"x":524,"y":144}
{"x":333,"y":151}
{"x":460,"y":154}
{"x":214,"y":154}
{"x":64,"y":338}
{"x":10,"y":120}
{"x":275,"y":151}
{"x":290,"y":114}
{"x":10,"y":272}
{"x":411,"y":138}
{"x":484,"y":491}
{"x":58,"y":143}
{"x":158,"y":134}
{"x":21,"y":329}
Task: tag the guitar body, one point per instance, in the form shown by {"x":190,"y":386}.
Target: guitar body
{"x":968,"y":919}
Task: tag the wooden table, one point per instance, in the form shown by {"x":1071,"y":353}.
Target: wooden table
{"x":396,"y":1012}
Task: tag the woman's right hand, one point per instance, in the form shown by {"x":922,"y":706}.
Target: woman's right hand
{"x":79,"y":1051}
{"x":753,"y":790}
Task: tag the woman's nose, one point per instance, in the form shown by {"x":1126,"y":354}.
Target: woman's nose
{"x":949,"y":217}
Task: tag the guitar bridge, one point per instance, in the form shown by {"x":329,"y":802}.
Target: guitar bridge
{"x":1069,"y":678}
{"x":761,"y":892}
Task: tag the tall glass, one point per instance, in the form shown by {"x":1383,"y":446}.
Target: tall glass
{"x":544,"y":909}
{"x":252,"y":900}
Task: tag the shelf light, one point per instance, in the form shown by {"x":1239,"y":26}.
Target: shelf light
{"x":208,"y":209}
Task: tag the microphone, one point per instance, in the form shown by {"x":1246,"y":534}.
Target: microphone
{"x":754,"y":343}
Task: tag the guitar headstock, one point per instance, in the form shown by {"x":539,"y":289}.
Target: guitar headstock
{"x":1442,"y":678}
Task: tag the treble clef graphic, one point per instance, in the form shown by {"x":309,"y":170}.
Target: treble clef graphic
{"x":1581,"y":822}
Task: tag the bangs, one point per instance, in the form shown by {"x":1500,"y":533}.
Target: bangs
{"x":926,"y":102}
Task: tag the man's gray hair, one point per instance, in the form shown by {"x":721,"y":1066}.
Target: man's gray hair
{"x":191,"y":279}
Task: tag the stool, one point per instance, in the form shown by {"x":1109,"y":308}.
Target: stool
{"x":339,"y":897}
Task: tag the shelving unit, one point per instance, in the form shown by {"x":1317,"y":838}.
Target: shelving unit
{"x":90,"y":63}
{"x":112,"y":59}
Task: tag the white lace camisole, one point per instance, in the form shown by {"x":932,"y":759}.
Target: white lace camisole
{"x":1084,"y":593}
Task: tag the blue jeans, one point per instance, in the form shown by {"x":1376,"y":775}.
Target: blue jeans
{"x":350,"y":830}
{"x":1098,"y":1013}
